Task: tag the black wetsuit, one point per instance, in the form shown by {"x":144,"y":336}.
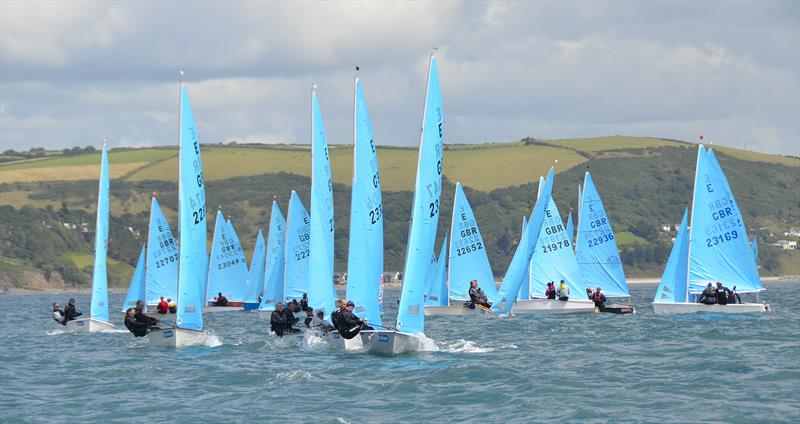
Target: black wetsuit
{"x":70,"y":313}
{"x":551,"y":292}
{"x":599,"y":301}
{"x":349,"y":325}
{"x":277,"y":322}
{"x":474,"y":297}
{"x":144,"y":319}
{"x":335,"y":317}
{"x":722,"y":295}
{"x":138,"y":328}
{"x":304,"y":304}
{"x":709,"y":296}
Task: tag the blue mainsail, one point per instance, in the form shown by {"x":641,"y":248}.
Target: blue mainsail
{"x":424,"y":210}
{"x":255,"y":275}
{"x":136,"y":289}
{"x":297,"y":250}
{"x":672,"y":288}
{"x":525,"y":288}
{"x":596,"y":251}
{"x":276,"y":253}
{"x":161,"y":268}
{"x":517,"y":272}
{"x":719,"y":248}
{"x":468,"y":260}
{"x":321,"y":291}
{"x":554,"y":259}
{"x":227,"y":271}
{"x":99,"y":308}
{"x":192,"y":217}
{"x":365,"y":255}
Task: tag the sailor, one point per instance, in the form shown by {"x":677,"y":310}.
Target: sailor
{"x":277,"y":320}
{"x":563,"y":291}
{"x":58,"y":315}
{"x":140,"y":316}
{"x":69,"y":312}
{"x":173,"y":307}
{"x":221,"y":300}
{"x":138,"y":328}
{"x":340,"y":306}
{"x":722,"y":294}
{"x":550,"y":293}
{"x":590,"y":293}
{"x":477,"y":296}
{"x":163,"y":306}
{"x":293,"y":306}
{"x":304,"y":303}
{"x":599,"y":299}
{"x":309,"y":318}
{"x":320,"y":325}
{"x":349,"y":323}
{"x":709,"y":296}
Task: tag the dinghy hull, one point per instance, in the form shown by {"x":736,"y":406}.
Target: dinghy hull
{"x":689,"y":308}
{"x":535,"y":306}
{"x":215,"y":309}
{"x":389,"y":342}
{"x":457,"y":309}
{"x":177,"y":337}
{"x":616,"y":309}
{"x":88,"y":325}
{"x":339,"y":343}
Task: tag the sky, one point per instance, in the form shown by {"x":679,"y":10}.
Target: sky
{"x":73,"y":73}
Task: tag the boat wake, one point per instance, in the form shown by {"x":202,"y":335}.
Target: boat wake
{"x":286,"y":376}
{"x":56,"y":332}
{"x":213,"y":341}
{"x":426,"y":344}
{"x":464,"y":346}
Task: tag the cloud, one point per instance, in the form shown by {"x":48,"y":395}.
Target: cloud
{"x":75,"y":72}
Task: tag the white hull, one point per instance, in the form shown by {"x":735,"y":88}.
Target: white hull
{"x":457,"y":309}
{"x":556,"y":306}
{"x":213,"y":309}
{"x":688,"y":308}
{"x":337,"y":342}
{"x":389,"y":342}
{"x":88,"y":325}
{"x":177,"y":337}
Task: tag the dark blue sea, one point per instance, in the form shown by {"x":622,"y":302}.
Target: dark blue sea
{"x":531,"y":368}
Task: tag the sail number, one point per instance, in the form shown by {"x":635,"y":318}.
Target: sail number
{"x":302,"y":254}
{"x":605,"y":238}
{"x":375,"y":214}
{"x":199,"y":215}
{"x":166,"y":261}
{"x":715,"y":240}
{"x":434,"y":206}
{"x":227,"y":264}
{"x":552,"y":247}
{"x":474,"y":247}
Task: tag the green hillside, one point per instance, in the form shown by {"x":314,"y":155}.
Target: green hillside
{"x":47,"y":204}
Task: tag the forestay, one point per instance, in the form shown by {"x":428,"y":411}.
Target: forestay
{"x":365,"y":255}
{"x":596,"y":252}
{"x":297,"y":250}
{"x":468,"y":260}
{"x":276,"y":253}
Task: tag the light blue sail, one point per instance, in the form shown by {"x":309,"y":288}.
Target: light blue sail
{"x":193,"y":264}
{"x":297,"y":249}
{"x":553,"y":259}
{"x":227,"y":271}
{"x":672,"y":288}
{"x":754,"y":245}
{"x":596,"y":251}
{"x":161,"y":269}
{"x":570,"y":228}
{"x":99,"y":308}
{"x":719,"y":248}
{"x":517,"y":273}
{"x":365,"y":255}
{"x":136,"y":288}
{"x":524,"y":292}
{"x":436,"y":293}
{"x":468,"y":260}
{"x":424,"y":210}
{"x":255,"y":275}
{"x":321,"y":291}
{"x":276,"y":254}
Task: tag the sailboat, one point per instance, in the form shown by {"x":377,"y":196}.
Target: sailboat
{"x":255,"y":275}
{"x":160,"y":276}
{"x":136,"y":288}
{"x":273,"y":278}
{"x":410,"y":324}
{"x":321,"y":291}
{"x":467,"y":261}
{"x":192,"y":226}
{"x":98,"y":317}
{"x":596,"y":249}
{"x":227,"y":269}
{"x":715,"y":247}
{"x":365,"y":254}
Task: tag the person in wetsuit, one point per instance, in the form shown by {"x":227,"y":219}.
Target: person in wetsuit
{"x":140,"y":316}
{"x":309,"y":318}
{"x":563,"y":291}
{"x":221,"y":300}
{"x":304,"y":303}
{"x":58,"y":315}
{"x":599,"y":299}
{"x":163,"y":306}
{"x":709,"y":296}
{"x":550,"y":293}
{"x":349,"y":323}
{"x":340,"y":306}
{"x":277,"y":320}
{"x":69,"y":312}
{"x":138,"y":328}
{"x":590,"y":293}
{"x":477,"y":296}
{"x":319,"y":325}
{"x":722,"y":294}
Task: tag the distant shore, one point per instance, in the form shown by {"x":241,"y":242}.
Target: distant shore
{"x":392,"y":285}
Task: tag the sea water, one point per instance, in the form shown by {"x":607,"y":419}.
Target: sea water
{"x":528,"y":368}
